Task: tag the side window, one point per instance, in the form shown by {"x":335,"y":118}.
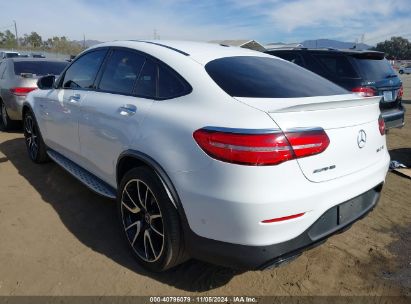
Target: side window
{"x":81,"y":74}
{"x":121,"y":72}
{"x":147,"y":81}
{"x":337,"y":65}
{"x":169,"y":84}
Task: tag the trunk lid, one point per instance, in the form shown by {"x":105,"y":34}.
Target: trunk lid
{"x":347,"y":120}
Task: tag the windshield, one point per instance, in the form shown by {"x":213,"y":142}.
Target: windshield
{"x":39,"y":67}
{"x":264,"y":77}
{"x":374,"y":69}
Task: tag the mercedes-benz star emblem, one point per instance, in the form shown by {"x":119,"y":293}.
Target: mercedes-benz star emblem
{"x":361,"y":139}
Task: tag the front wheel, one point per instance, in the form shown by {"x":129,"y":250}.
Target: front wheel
{"x":149,"y":221}
{"x":401,"y":72}
{"x":36,"y":147}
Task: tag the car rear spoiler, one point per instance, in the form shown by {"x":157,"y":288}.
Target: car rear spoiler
{"x":368,"y":55}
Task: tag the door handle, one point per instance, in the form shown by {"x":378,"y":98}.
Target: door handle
{"x":74,"y":98}
{"x":128,"y":110}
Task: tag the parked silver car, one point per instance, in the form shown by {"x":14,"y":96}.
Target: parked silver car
{"x":8,"y":54}
{"x":18,"y":77}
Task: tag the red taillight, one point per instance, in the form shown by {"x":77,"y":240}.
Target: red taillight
{"x":400,"y":92}
{"x":381,"y":125}
{"x":364,"y":91}
{"x":306,"y":143}
{"x":21,"y":91}
{"x":260,"y":149}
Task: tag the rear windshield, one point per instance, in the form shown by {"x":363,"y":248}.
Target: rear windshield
{"x":338,"y":65}
{"x":12,"y":55}
{"x":39,"y":67}
{"x":264,"y":77}
{"x":374,"y":69}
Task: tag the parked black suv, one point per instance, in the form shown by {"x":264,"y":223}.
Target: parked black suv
{"x":367,"y":73}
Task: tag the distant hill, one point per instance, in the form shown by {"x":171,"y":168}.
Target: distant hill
{"x":328,"y":43}
{"x":89,"y":43}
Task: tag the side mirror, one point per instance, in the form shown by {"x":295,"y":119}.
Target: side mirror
{"x":46,"y":82}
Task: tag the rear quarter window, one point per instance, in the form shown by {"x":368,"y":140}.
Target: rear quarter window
{"x":265,"y":77}
{"x":158,"y":81}
{"x":170,"y":85}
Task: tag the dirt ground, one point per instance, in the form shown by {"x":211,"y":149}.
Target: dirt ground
{"x":59,"y":238}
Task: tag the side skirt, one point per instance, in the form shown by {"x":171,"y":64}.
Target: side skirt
{"x":88,"y":179}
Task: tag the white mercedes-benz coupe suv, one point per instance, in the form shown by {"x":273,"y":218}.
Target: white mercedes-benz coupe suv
{"x":212,"y":152}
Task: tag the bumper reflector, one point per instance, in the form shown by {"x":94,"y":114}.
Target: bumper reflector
{"x":284,"y":218}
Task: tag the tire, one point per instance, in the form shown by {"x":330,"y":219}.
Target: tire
{"x":5,"y":122}
{"x":149,"y":221}
{"x":35,"y":145}
{"x":401,"y":72}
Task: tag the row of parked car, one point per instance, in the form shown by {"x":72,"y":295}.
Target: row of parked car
{"x":366,"y":73}
{"x":10,"y":54}
{"x":213,"y":152}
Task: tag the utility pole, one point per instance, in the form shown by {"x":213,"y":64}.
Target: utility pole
{"x":84,"y":41}
{"x":156,"y":36}
{"x":15,"y":31}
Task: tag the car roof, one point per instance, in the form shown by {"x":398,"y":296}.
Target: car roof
{"x":201,"y":52}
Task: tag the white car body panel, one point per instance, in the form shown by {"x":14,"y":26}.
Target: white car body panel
{"x":105,"y":131}
{"x":342,"y":121}
{"x":59,"y":115}
{"x":223,"y":201}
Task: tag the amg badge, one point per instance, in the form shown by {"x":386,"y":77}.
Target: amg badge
{"x":324,"y":169}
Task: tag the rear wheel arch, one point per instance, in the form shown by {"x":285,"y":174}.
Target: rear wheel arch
{"x":26,"y":108}
{"x":131,"y":159}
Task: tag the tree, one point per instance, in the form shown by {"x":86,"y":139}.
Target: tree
{"x":8,"y":40}
{"x":34,"y":40}
{"x":395,"y":48}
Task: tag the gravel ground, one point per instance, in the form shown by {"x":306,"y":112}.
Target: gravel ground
{"x":59,"y":238}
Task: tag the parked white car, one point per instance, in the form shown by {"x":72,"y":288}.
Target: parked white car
{"x":8,"y":54}
{"x":405,"y":70}
{"x":212,"y":152}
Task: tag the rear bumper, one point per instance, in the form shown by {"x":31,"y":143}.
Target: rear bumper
{"x":394,"y":118}
{"x":334,"y":220}
{"x":14,"y":106}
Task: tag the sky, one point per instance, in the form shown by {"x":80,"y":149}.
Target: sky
{"x":262,"y":20}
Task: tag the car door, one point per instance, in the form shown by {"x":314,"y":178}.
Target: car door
{"x":61,"y":107}
{"x":111,"y":115}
